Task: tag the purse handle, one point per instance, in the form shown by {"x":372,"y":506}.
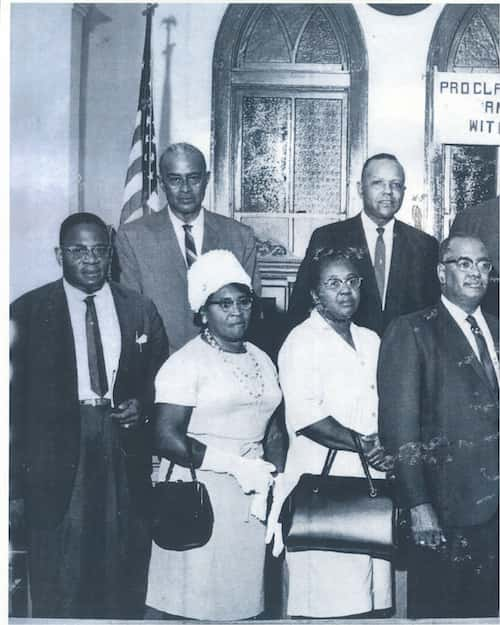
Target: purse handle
{"x":372,"y":491}
{"x":171,"y":468}
{"x":190,"y":466}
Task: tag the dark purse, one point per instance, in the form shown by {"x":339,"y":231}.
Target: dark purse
{"x":335,"y":513}
{"x":183,"y":517}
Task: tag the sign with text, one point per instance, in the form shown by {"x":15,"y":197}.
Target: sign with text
{"x":467,"y":108}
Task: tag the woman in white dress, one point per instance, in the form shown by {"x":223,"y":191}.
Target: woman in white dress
{"x":327,"y":369}
{"x":215,"y":397}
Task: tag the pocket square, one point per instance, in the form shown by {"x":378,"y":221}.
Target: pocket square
{"x":141,"y":340}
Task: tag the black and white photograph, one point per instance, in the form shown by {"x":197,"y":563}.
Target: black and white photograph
{"x":253,"y":312}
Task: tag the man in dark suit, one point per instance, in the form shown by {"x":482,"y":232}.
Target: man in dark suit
{"x":397,"y":261}
{"x":438,"y":418}
{"x":155,"y":251}
{"x":482,"y":221}
{"x":84,"y":357}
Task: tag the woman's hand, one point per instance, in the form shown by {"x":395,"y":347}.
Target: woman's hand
{"x":282,"y":487}
{"x":375,"y":453}
{"x":253,"y":475}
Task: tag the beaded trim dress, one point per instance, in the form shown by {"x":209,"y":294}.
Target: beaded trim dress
{"x":234,"y":396}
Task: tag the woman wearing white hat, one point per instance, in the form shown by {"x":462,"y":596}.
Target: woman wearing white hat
{"x":215,"y":397}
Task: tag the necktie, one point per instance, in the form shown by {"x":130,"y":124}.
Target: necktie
{"x":380,"y":263}
{"x":484,"y":354}
{"x":191,"y":254}
{"x":97,"y":367}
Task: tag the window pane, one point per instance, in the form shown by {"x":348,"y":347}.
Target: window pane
{"x":477,"y":48}
{"x":473,"y":175}
{"x":267,"y":42}
{"x":318,"y":156}
{"x":319,"y":43}
{"x":265,"y":137}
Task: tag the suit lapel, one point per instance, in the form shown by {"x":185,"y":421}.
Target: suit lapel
{"x":210,"y":234}
{"x":370,"y":288}
{"x":461,"y":347}
{"x":59,"y":333}
{"x":128,"y":326}
{"x":167,"y":252}
{"x":397,"y":269}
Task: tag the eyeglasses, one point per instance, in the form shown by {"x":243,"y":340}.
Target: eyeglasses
{"x":243,"y":303}
{"x":335,"y":284}
{"x":191,"y":180}
{"x":79,"y":252}
{"x":466,"y":264}
{"x":394,"y":185}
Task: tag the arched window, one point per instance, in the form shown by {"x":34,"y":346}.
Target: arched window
{"x":465,"y":39}
{"x":289,"y":123}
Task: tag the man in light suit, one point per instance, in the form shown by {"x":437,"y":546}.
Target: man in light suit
{"x":84,"y":357}
{"x":155,"y":251}
{"x":397,"y":261}
{"x":438,"y":418}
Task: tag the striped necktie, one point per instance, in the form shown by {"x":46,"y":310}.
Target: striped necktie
{"x":97,"y":366}
{"x":189,"y":244}
{"x":484,"y":354}
{"x":379,"y":264}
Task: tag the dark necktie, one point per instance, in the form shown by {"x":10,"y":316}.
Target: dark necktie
{"x":379,"y":264}
{"x":484,"y":355}
{"x":97,"y":367}
{"x":191,"y":254}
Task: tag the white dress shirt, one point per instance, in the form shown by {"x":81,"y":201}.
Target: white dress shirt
{"x":460,"y":316}
{"x":197,"y":230}
{"x":109,"y":328}
{"x":371,"y":234}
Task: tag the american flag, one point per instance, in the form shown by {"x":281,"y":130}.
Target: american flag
{"x":140,"y":196}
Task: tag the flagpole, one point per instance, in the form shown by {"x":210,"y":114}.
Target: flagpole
{"x":148,"y":12}
{"x":141,"y":182}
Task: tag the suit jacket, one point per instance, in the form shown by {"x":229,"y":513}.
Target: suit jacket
{"x":438,"y":416}
{"x":482,"y":221}
{"x":412,"y":282}
{"x":45,"y":421}
{"x":151,"y":262}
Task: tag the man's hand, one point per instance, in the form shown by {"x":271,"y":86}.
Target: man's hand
{"x":375,"y":453}
{"x":127,"y":414}
{"x":425,"y":526}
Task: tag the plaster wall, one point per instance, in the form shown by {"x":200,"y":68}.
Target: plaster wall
{"x":397,"y":52}
{"x":41,"y":191}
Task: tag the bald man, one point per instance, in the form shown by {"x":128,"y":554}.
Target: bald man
{"x":155,"y":251}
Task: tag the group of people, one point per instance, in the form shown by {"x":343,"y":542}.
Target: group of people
{"x":388,"y":340}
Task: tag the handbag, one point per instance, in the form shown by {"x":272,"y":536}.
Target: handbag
{"x":335,"y":513}
{"x":183,"y":517}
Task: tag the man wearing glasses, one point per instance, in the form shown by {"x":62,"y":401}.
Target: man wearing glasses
{"x":438,"y":389}
{"x":155,"y":251}
{"x":398,"y":260}
{"x":84,"y":358}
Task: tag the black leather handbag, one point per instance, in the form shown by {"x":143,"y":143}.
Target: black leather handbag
{"x":183,"y":517}
{"x":334,"y":513}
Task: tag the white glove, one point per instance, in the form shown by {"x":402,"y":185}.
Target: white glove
{"x":252,"y":474}
{"x":283,"y":486}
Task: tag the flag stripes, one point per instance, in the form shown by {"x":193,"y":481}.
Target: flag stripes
{"x":140,"y":195}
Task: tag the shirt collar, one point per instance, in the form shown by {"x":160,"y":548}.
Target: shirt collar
{"x":318,"y":321}
{"x":179,"y":223}
{"x":77,"y":295}
{"x":457,"y":313}
{"x":371,"y":226}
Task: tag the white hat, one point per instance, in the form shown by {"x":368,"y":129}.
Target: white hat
{"x":210,"y":272}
